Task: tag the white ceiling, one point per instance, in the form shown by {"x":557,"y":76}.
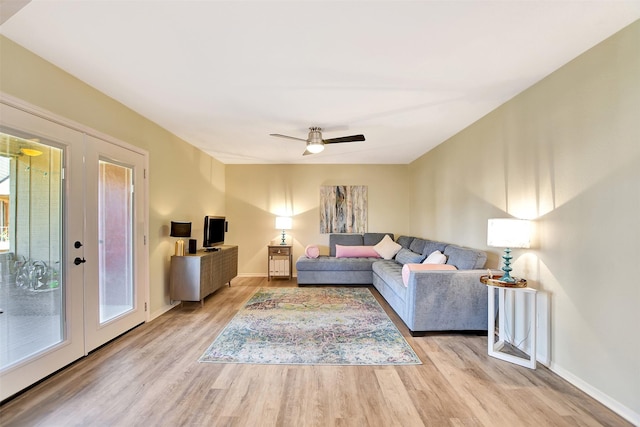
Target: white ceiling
{"x":224,"y":75}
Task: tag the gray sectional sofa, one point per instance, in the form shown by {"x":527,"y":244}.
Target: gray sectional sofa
{"x":431,"y":300}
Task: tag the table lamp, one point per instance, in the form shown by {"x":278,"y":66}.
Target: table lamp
{"x":180,"y":229}
{"x":283,"y":223}
{"x":508,"y":233}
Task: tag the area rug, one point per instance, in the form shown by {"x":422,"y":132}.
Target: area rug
{"x":311,"y":326}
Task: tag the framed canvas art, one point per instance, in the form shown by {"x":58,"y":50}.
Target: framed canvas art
{"x":343,"y":209}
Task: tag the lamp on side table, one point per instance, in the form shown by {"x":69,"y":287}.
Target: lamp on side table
{"x":283,"y":223}
{"x":509,"y":233}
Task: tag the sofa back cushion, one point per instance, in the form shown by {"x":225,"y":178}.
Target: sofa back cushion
{"x":372,"y":239}
{"x":405,"y":241}
{"x":417,"y":245}
{"x":465,"y":258}
{"x":344,"y":240}
{"x":431,"y":246}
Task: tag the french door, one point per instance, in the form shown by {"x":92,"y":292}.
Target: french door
{"x":115,"y":254}
{"x":73,"y":261}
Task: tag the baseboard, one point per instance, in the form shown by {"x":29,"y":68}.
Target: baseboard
{"x":258,"y":275}
{"x":606,"y":400}
{"x":162,"y":310}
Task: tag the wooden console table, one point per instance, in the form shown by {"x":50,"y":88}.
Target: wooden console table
{"x":195,"y":276}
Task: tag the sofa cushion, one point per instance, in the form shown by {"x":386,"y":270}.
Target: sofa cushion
{"x":417,"y":245}
{"x":387,"y":248}
{"x":326,"y":263}
{"x":405,"y":241}
{"x":355,"y":252}
{"x":345,"y":240}
{"x":389,"y":271}
{"x":430,"y":246}
{"x":465,"y":258}
{"x":435,"y":257}
{"x":371,"y":239}
{"x":405,"y":256}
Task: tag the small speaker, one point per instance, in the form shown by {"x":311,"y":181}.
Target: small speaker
{"x":192,"y":246}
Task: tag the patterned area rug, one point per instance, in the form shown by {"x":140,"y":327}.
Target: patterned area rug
{"x":311,"y":326}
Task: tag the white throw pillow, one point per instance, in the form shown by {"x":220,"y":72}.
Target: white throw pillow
{"x":435,"y":257}
{"x":387,"y":248}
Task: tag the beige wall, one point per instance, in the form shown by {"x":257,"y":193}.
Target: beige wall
{"x":184,"y":183}
{"x":566,"y":152}
{"x":256,"y":194}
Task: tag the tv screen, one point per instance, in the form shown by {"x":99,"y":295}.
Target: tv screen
{"x":214,"y":229}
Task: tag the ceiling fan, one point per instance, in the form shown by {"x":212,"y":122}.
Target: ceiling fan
{"x":315,"y":143}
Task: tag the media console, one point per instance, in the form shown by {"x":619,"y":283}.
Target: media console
{"x":195,"y":276}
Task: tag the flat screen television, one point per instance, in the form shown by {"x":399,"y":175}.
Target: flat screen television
{"x":214,"y":229}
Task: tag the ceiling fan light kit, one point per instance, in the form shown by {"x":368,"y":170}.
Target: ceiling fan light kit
{"x":315,"y":147}
{"x":315,"y":143}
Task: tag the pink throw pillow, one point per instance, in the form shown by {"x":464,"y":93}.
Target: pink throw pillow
{"x":311,"y":251}
{"x":408,"y":268}
{"x":355,"y":252}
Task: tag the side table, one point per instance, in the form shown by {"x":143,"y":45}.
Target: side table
{"x":495,"y":347}
{"x":279,"y":262}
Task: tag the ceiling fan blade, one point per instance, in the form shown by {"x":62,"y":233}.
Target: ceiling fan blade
{"x":286,"y":136}
{"x":307,"y":153}
{"x":352,"y":138}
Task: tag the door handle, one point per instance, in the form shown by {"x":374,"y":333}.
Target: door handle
{"x":77,"y":244}
{"x":79,"y":260}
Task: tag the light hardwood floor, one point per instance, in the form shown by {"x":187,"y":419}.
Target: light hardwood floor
{"x":151,"y":377}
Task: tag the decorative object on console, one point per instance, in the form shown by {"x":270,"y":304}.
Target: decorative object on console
{"x":180,"y":229}
{"x":283,"y":223}
{"x":508,"y":233}
{"x":343,"y":209}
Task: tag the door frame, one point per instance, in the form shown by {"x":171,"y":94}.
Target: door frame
{"x":38,"y":372}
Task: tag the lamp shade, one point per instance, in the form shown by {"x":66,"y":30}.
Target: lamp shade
{"x":283,"y":223}
{"x":509,"y":233}
{"x":180,"y":229}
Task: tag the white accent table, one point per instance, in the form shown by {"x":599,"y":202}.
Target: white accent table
{"x":495,"y":347}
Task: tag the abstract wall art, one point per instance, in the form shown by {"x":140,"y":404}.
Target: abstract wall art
{"x":343,"y":209}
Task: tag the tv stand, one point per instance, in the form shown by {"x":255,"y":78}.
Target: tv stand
{"x":195,"y":276}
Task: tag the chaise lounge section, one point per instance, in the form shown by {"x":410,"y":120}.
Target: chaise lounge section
{"x":332,"y":270}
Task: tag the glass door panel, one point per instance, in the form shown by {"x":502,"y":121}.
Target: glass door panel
{"x":41,"y":215}
{"x":115,"y":234}
{"x":31,"y":278}
{"x":115,"y":260}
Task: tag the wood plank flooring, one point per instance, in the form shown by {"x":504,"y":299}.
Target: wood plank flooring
{"x":151,"y":377}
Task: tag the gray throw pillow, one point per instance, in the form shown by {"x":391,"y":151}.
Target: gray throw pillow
{"x":405,"y":256}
